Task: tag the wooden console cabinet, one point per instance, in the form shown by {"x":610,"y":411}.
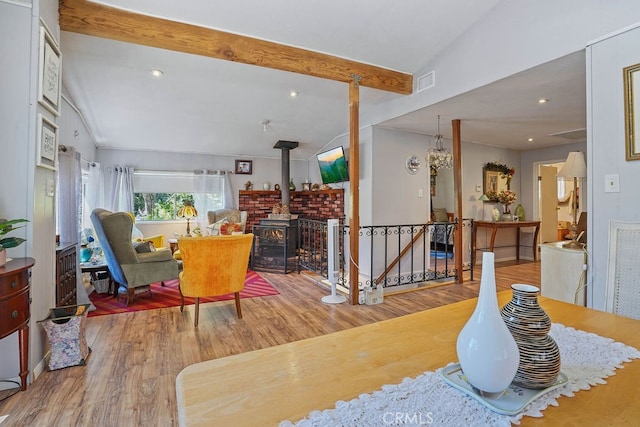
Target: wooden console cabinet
{"x":66,"y":274}
{"x":15,"y":280}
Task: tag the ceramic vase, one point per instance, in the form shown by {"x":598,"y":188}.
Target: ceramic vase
{"x":529,"y":324}
{"x":487,"y":351}
{"x":495,"y":214}
{"x":85,"y":254}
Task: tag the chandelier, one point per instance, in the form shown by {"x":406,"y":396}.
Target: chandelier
{"x":439,"y":157}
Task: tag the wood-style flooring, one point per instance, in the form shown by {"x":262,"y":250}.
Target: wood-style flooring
{"x":130,"y":376}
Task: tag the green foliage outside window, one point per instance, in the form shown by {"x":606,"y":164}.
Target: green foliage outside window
{"x":159,"y":206}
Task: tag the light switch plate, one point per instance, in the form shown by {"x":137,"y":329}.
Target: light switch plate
{"x":478,"y":188}
{"x":50,"y":188}
{"x":612,"y":183}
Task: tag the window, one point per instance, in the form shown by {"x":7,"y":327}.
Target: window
{"x":159,"y":206}
{"x":159,"y":195}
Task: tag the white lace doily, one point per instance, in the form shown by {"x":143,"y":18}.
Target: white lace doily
{"x":586,"y":359}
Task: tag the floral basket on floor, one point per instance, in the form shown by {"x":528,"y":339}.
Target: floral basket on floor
{"x":65,"y":333}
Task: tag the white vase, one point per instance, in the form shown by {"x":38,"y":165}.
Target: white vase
{"x":495,"y":214}
{"x":487,"y":351}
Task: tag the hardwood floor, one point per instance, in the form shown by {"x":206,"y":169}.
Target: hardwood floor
{"x":130,"y":376}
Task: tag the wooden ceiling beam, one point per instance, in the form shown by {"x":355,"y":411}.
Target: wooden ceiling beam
{"x":94,"y":19}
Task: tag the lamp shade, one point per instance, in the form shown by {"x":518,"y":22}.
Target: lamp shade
{"x":187,"y":211}
{"x":484,"y":198}
{"x":574,"y":166}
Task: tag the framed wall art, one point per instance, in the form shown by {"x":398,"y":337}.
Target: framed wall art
{"x":47,"y":152}
{"x":49,"y":72}
{"x":631,"y":107}
{"x":244,"y":167}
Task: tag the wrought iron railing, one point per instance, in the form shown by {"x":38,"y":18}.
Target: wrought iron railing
{"x":391,"y":256}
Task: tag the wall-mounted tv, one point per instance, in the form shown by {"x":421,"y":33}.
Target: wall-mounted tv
{"x":333,"y":166}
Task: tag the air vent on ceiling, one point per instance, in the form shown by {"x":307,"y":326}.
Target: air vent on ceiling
{"x":574,"y":135}
{"x":426,"y":81}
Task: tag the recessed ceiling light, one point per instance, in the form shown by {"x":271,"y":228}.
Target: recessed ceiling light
{"x":530,"y":140}
{"x":542,"y":101}
{"x":293,"y":93}
{"x":157,"y":73}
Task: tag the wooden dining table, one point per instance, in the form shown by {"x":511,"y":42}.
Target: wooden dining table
{"x":288,"y":381}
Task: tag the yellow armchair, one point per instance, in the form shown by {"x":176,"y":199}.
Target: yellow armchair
{"x":213,"y":265}
{"x":136,"y":235}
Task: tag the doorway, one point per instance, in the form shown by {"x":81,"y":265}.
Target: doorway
{"x":554,"y":201}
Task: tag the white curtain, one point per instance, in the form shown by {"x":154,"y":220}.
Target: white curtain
{"x":209,"y":193}
{"x":69,"y":208}
{"x":69,"y":194}
{"x":229,"y":199}
{"x":119,"y":194}
{"x":94,"y":196}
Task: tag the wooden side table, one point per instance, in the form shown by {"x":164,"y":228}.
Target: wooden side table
{"x":495,"y":225}
{"x":15,"y":280}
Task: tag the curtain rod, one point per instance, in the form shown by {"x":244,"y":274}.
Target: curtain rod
{"x":63,"y":148}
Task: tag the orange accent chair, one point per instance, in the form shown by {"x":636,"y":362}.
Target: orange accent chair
{"x":213,"y":265}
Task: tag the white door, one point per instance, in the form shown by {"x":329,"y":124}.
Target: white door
{"x":548,"y":193}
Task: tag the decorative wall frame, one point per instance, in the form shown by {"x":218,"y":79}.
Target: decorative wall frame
{"x":244,"y":167}
{"x":47,"y":150}
{"x":49,"y":71}
{"x":631,"y":76}
{"x":412,"y":164}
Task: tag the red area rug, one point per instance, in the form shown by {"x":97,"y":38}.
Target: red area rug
{"x":169,"y":296}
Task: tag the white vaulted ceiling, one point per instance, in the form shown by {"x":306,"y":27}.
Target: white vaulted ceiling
{"x":206,"y":105}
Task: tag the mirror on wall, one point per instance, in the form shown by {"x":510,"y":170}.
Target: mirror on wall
{"x":496,"y":177}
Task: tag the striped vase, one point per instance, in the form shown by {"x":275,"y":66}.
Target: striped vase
{"x":529,"y":324}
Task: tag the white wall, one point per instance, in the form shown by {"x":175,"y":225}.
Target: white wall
{"x":396,"y":195}
{"x":24,"y":193}
{"x":15,"y":169}
{"x":606,"y":147}
{"x":514,"y":36}
{"x":74,"y":133}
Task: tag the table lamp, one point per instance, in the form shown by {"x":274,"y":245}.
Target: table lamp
{"x":575,"y":168}
{"x":187,"y":211}
{"x":483,"y":199}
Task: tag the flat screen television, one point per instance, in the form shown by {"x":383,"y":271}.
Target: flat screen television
{"x":333,"y":166}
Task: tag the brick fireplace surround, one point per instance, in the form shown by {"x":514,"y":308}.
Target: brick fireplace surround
{"x":319,"y":204}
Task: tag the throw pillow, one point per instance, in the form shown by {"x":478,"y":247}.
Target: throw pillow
{"x":214,"y":229}
{"x":141,"y":247}
{"x":440,"y":215}
{"x":230,"y":228}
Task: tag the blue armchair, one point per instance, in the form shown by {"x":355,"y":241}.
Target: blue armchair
{"x":132,"y":270}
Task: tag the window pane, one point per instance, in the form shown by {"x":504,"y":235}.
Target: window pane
{"x":159,"y":206}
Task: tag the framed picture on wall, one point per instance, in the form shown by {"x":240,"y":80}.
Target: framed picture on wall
{"x":631,"y":107}
{"x":47,"y":156}
{"x":244,"y":167}
{"x":49,"y":71}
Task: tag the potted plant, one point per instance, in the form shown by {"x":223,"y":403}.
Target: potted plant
{"x":9,"y":242}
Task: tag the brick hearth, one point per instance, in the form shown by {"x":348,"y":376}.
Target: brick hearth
{"x":320,"y":204}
